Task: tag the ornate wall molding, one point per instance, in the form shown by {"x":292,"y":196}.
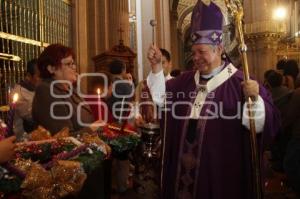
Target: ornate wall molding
{"x":184,"y":18}
{"x":259,"y":41}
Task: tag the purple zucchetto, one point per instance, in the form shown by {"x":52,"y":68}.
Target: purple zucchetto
{"x":206,"y":25}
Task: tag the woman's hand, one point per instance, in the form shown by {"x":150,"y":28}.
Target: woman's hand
{"x":7,"y":149}
{"x":97,"y":124}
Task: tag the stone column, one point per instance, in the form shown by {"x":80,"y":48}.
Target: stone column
{"x":97,"y":28}
{"x":262,"y":50}
{"x":118,"y":18}
{"x":104,"y":24}
{"x":162,"y":16}
{"x":145,"y":12}
{"x":262,"y":35}
{"x":175,"y":52}
{"x":80,"y":37}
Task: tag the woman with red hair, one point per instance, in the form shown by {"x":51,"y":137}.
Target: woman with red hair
{"x":57,"y":105}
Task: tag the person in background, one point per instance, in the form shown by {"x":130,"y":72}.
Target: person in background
{"x":129,"y":77}
{"x":26,"y":90}
{"x":144,"y":113}
{"x":122,"y":90}
{"x":290,"y":71}
{"x":166,"y":63}
{"x":280,"y":94}
{"x":118,"y":103}
{"x":175,"y":72}
{"x":291,"y":125}
{"x":297,"y":82}
{"x":281,"y":64}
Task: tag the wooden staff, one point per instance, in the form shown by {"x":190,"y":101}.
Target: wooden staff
{"x":236,"y":9}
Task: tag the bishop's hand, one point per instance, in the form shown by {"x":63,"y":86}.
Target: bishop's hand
{"x":154,"y":57}
{"x":251,"y":89}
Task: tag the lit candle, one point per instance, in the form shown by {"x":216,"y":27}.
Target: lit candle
{"x":10,"y":116}
{"x":99,"y":103}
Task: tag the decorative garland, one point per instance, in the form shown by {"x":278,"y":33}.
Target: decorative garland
{"x":65,"y":155}
{"x":122,"y":144}
{"x":121,"y":140}
{"x":90,"y":161}
{"x":47,"y":153}
{"x":11,"y":177}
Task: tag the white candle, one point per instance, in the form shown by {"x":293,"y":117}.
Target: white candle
{"x":15,"y":98}
{"x":99,"y":103}
{"x":10,"y":116}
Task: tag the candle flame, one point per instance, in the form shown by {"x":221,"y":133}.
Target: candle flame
{"x":98,"y":91}
{"x":15,"y":98}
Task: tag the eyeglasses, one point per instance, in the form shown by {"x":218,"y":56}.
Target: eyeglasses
{"x":71,"y":65}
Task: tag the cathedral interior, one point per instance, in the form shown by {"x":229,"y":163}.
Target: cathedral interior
{"x":101,"y":30}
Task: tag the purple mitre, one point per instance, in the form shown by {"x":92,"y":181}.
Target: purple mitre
{"x":206,"y":25}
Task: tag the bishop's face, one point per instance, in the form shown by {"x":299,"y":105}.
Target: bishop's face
{"x":206,"y":57}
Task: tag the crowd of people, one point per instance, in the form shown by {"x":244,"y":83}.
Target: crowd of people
{"x":283,"y":84}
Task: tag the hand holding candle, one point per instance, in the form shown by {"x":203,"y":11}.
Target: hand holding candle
{"x":10,"y":116}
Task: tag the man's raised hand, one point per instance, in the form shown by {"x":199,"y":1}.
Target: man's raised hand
{"x":154,"y":57}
